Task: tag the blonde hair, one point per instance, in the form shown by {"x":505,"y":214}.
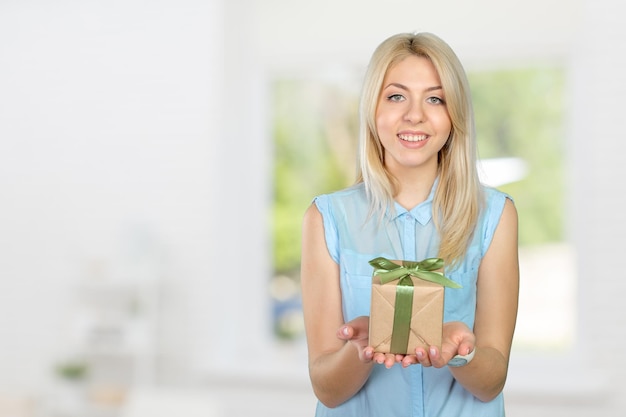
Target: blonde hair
{"x":458,"y":198}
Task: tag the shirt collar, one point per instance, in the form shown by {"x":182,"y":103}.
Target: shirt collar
{"x":422,"y":212}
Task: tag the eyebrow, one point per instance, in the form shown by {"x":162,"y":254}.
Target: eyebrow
{"x":403,"y":87}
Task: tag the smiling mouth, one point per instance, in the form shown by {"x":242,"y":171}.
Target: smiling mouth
{"x":413,"y":138}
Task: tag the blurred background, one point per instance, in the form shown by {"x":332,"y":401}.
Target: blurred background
{"x":156,"y":158}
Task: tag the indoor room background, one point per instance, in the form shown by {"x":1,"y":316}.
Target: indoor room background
{"x":156,"y":158}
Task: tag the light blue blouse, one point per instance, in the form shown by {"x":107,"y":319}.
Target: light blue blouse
{"x":353,"y":239}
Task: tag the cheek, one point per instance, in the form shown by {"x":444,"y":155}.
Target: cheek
{"x":385,"y":134}
{"x":382,"y":123}
{"x":444,"y":123}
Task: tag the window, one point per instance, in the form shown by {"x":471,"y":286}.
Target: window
{"x":519,"y":121}
{"x":315,"y":128}
{"x":520,"y":114}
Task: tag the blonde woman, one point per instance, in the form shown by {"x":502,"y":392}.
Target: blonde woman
{"x":417,"y":196}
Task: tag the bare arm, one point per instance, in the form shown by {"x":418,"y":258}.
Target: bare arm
{"x":496,"y":312}
{"x":337,"y":368}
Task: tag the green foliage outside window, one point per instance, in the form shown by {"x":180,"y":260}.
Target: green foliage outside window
{"x":519,"y":113}
{"x":315,"y":152}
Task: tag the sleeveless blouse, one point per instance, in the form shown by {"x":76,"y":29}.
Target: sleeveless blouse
{"x":353,"y":238}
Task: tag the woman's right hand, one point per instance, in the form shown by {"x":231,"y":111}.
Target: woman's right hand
{"x":357,"y":332}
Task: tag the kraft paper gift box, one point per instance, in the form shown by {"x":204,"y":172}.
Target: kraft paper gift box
{"x":407,"y":305}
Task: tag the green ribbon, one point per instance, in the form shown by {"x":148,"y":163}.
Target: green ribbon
{"x":389,"y":271}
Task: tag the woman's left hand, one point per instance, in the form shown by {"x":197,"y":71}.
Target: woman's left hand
{"x":457,"y":339}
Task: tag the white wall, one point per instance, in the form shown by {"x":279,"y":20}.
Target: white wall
{"x":297,"y":34}
{"x":108,"y":121}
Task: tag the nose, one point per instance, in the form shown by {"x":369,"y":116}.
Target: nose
{"x":414,"y":112}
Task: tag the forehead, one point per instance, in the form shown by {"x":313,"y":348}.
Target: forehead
{"x":412,"y":67}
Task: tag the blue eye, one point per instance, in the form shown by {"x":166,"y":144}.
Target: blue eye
{"x":435,"y":100}
{"x":395,"y":97}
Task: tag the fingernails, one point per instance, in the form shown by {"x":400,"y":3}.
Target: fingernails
{"x":433,"y":351}
{"x":420,"y":354}
{"x":345,"y":331}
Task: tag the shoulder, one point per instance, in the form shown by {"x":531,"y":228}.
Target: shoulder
{"x":348,"y":193}
{"x":494,"y":203}
{"x":498,"y":207}
{"x":329,"y":214}
{"x":349,"y":198}
{"x":495,"y":196}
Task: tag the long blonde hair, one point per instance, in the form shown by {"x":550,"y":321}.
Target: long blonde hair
{"x":458,"y":198}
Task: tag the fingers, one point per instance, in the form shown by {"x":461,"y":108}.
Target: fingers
{"x":345,"y":332}
{"x":354,"y":329}
{"x":450,"y":350}
{"x":431,"y":357}
{"x":423,"y":357}
{"x":409,"y":360}
{"x":438,"y":359}
{"x":355,"y":332}
{"x":465,"y":348}
{"x":387,"y":359}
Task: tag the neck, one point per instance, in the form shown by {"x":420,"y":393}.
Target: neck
{"x":414,"y":188}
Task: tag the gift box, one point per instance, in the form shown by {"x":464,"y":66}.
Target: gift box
{"x":407,"y":304}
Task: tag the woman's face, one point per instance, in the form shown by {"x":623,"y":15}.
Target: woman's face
{"x":411,"y":116}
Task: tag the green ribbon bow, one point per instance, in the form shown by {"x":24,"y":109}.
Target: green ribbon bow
{"x":389,"y":271}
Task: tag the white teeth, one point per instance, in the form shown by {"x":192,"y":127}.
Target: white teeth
{"x":412,"y":138}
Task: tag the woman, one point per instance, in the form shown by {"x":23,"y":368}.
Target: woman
{"x":417,"y":196}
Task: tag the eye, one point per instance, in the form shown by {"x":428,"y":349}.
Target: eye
{"x":395,"y":98}
{"x":435,"y":100}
